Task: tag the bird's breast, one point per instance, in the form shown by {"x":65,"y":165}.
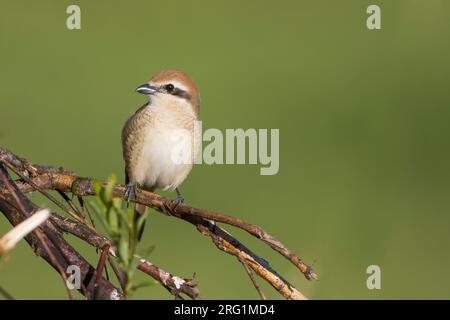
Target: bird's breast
{"x":166,"y":153}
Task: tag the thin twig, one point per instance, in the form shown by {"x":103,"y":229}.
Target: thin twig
{"x":101,"y":264}
{"x":48,"y":178}
{"x":45,"y":193}
{"x":98,"y":241}
{"x":54,"y":261}
{"x":83,"y":187}
{"x":9,"y":185}
{"x":252,"y":277}
{"x":6,"y":294}
{"x":282,"y":286}
{"x":86,"y":210}
{"x":71,"y":204}
{"x":174,"y":284}
{"x":48,"y":242}
{"x":12,"y":237}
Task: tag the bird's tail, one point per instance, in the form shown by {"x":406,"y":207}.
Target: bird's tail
{"x":139,"y":210}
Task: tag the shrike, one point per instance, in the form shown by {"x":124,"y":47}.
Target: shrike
{"x":151,"y":136}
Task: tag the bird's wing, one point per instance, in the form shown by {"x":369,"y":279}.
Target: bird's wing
{"x":131,"y":142}
{"x":127,"y":179}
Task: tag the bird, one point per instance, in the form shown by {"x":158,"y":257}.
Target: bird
{"x":149,"y":143}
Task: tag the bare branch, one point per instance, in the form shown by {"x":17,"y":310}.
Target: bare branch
{"x":83,"y":187}
{"x":174,"y":284}
{"x":10,"y":239}
{"x":48,"y":242}
{"x":98,"y":241}
{"x":6,"y":294}
{"x":48,"y":178}
{"x":252,"y":277}
{"x":281,"y":285}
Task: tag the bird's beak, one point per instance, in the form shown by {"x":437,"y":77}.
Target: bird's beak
{"x":146,"y":89}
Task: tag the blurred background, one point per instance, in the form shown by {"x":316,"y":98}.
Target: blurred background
{"x":364,"y":132}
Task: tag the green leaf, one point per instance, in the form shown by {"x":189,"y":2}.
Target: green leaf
{"x":109,"y":188}
{"x":141,"y":219}
{"x":121,"y":226}
{"x":97,"y":187}
{"x":74,"y":186}
{"x":123,"y":250}
{"x":117,"y":203}
{"x":113,"y":220}
{"x":100,"y":214}
{"x":130,"y":213}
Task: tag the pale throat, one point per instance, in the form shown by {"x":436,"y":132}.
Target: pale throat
{"x":171,"y":104}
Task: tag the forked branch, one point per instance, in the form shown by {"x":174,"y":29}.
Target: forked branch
{"x":41,"y":178}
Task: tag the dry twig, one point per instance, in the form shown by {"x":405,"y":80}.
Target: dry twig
{"x":174,"y":284}
{"x":41,"y":178}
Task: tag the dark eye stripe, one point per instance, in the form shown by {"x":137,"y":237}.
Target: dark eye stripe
{"x":181,"y":93}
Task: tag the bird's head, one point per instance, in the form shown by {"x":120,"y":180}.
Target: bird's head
{"x":171,"y":87}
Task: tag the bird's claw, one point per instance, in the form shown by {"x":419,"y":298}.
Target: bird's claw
{"x":170,"y":206}
{"x":166,"y":209}
{"x":177,"y":201}
{"x":130,"y":192}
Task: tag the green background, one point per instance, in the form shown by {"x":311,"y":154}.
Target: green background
{"x":364,"y":131}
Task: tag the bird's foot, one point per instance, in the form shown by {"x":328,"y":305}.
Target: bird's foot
{"x":170,"y":206}
{"x":166,"y":209}
{"x":130,"y":192}
{"x":177,"y":201}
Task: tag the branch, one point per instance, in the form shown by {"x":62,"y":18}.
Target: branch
{"x":10,"y":239}
{"x":252,"y":277}
{"x":262,"y":269}
{"x":49,"y":178}
{"x":6,"y":294}
{"x":174,"y":284}
{"x":48,"y":242}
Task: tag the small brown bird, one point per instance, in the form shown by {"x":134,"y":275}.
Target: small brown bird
{"x":149,"y":136}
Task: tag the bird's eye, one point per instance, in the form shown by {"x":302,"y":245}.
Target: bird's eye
{"x":170,"y":87}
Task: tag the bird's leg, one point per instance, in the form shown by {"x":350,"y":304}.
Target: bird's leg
{"x":130,"y":191}
{"x":173,"y":204}
{"x":179,"y":199}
